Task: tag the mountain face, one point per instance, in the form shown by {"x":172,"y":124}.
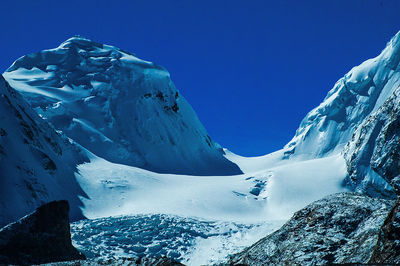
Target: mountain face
{"x":128,"y":111}
{"x":373,"y":154}
{"x":36,"y":163}
{"x":121,"y":108}
{"x":328,"y":127}
{"x":339,"y":229}
{"x":359,"y":120}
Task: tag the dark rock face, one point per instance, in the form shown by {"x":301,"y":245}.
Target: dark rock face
{"x":341,"y":228}
{"x":374,"y":151}
{"x":387,"y":250}
{"x":41,"y":237}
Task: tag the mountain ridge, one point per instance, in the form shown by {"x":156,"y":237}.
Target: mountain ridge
{"x":37,"y":163}
{"x":329,"y":126}
{"x":130,"y":115}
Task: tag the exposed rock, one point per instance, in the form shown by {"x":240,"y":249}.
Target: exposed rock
{"x":41,"y":237}
{"x":373,"y":154}
{"x":341,"y":228}
{"x":387,"y":250}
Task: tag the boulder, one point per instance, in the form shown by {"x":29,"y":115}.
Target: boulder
{"x":40,"y":237}
{"x":387,"y":249}
{"x":341,"y":228}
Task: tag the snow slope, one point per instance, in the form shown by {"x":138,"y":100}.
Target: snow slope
{"x":328,"y":127}
{"x":119,"y":107}
{"x":133,"y":123}
{"x":203,"y":218}
{"x":37,"y":164}
{"x":271,"y":194}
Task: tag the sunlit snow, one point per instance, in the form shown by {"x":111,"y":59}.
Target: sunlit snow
{"x":124,"y":112}
{"x":255,"y":203}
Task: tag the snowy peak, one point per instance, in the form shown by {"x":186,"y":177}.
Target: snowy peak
{"x":37,"y":164}
{"x":328,"y":127}
{"x":81,"y":41}
{"x":72,"y":52}
{"x":391,"y":54}
{"x":119,"y":107}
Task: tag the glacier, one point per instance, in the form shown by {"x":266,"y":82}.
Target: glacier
{"x":145,"y":157}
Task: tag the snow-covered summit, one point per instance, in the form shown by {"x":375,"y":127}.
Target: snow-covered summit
{"x":119,"y":107}
{"x":328,"y":127}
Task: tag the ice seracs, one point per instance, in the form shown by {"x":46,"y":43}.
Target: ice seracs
{"x":121,"y":108}
{"x":148,"y":156}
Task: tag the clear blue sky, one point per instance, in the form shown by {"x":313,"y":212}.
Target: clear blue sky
{"x":250,"y":69}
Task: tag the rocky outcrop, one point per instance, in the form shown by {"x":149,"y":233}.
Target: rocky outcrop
{"x":373,"y":154}
{"x":41,"y":237}
{"x":387,"y":250}
{"x":341,"y":228}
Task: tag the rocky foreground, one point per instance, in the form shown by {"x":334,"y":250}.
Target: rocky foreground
{"x":41,"y":237}
{"x":341,"y":228}
{"x":338,"y":229}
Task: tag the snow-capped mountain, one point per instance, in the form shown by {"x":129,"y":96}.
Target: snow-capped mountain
{"x":121,"y":108}
{"x":85,"y":90}
{"x":37,"y":164}
{"x":136,"y":129}
{"x":328,"y":127}
{"x":360,"y":121}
